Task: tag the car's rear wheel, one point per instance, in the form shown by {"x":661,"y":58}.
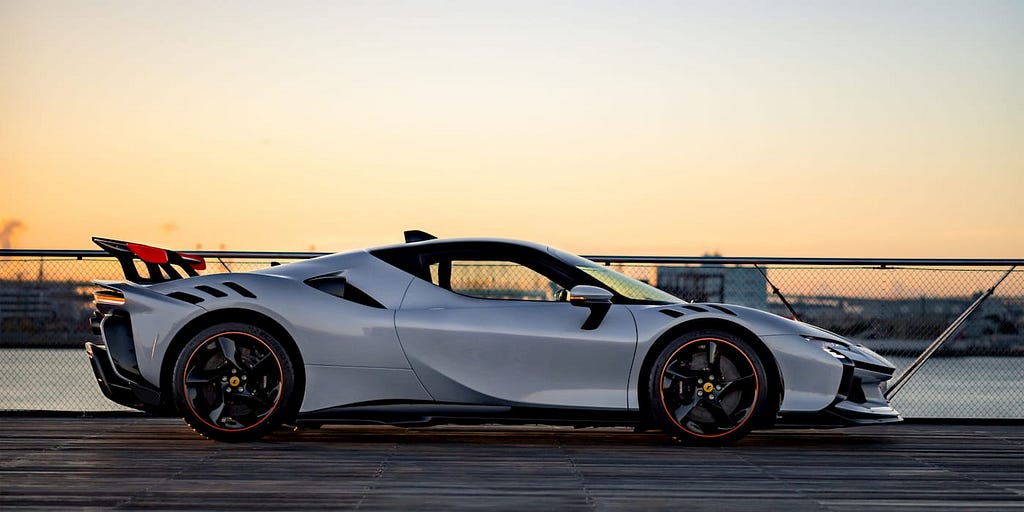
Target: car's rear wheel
{"x":708,"y":387}
{"x":234,"y":382}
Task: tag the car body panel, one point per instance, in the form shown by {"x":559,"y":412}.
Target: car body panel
{"x":468,"y":349}
{"x":332,"y":386}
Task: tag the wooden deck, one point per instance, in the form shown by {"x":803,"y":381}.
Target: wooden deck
{"x":145,"y":463}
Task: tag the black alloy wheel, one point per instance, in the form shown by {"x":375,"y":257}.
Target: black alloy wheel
{"x":234,"y":382}
{"x":708,"y":388}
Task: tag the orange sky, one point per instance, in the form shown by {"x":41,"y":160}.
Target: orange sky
{"x":783,"y":129}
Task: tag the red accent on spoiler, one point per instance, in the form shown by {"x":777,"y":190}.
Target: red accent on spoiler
{"x":160,"y":263}
{"x":148,"y":254}
{"x":196,"y":262}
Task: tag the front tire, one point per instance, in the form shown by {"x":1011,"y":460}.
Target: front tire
{"x":234,"y":382}
{"x":708,"y":388}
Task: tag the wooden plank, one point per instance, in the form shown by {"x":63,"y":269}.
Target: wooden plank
{"x":146,"y":463}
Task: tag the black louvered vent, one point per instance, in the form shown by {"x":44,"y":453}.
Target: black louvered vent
{"x":696,"y":308}
{"x":185,"y":297}
{"x":723,"y":309}
{"x":241,"y":290}
{"x":209,"y":290}
{"x":674,"y":313}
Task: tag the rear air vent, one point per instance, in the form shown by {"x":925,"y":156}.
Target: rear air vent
{"x":209,"y":290}
{"x":240,"y":289}
{"x":340,"y":287}
{"x":723,"y":309}
{"x":696,"y":308}
{"x":185,"y":297}
{"x":671,"y":312}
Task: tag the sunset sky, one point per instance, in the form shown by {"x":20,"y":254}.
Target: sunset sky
{"x":844,"y":129}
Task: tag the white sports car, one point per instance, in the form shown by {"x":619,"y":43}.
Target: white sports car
{"x":461,"y":331}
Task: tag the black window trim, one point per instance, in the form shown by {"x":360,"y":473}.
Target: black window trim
{"x":416,"y":261}
{"x":544,"y":269}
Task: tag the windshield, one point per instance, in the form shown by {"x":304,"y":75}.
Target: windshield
{"x":627,"y":286}
{"x":617,"y":282}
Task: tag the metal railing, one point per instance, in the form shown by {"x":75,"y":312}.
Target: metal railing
{"x":895,"y":306}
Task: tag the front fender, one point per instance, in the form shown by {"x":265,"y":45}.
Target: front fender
{"x":810,"y":376}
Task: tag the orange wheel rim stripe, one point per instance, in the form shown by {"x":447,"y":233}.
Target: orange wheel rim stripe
{"x":661,"y":390}
{"x":277,"y":399}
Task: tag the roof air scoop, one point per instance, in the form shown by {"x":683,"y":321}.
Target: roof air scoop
{"x":415,"y":235}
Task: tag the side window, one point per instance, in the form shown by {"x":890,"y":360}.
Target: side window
{"x":435,"y":273}
{"x":495,"y":280}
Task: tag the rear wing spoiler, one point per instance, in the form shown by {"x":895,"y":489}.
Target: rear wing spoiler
{"x":161,"y":264}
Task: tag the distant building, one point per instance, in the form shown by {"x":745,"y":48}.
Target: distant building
{"x":744,"y":286}
{"x":44,"y":313}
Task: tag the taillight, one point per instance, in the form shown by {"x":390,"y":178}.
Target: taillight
{"x":105,"y":299}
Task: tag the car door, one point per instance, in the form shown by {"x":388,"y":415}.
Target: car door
{"x":492,"y":330}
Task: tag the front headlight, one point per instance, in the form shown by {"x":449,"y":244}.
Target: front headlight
{"x":858,"y":355}
{"x":834,"y":348}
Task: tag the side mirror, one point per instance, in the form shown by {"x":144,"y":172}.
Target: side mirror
{"x":597,"y":299}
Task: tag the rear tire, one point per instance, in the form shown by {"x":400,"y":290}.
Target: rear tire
{"x":708,"y":388}
{"x":234,"y":382}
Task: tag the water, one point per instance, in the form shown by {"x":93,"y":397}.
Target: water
{"x":948,"y":387}
{"x":50,"y":380}
{"x":963,"y":387}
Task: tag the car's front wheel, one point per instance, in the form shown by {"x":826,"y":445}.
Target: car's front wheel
{"x":234,"y":382}
{"x":708,"y":387}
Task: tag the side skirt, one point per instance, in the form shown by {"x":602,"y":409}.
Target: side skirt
{"x":422,"y":414}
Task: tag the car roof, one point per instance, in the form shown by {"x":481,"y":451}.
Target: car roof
{"x":441,"y":242}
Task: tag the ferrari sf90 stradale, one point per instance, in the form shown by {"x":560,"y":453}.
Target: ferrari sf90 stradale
{"x":468,"y":331}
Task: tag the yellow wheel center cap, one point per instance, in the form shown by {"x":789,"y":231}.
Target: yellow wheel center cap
{"x":234,"y":381}
{"x":708,"y":387}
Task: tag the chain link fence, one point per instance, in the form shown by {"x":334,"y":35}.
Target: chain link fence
{"x":46,"y":302}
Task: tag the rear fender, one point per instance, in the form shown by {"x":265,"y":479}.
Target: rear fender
{"x":154,"y":318}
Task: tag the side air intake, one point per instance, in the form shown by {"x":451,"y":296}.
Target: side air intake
{"x":338,"y":286}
